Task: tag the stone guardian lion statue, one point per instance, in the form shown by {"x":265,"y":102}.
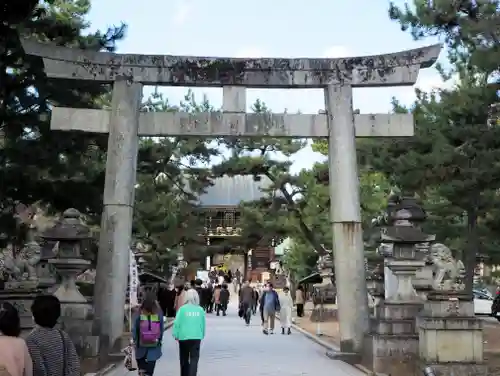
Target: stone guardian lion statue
{"x":447,"y":271}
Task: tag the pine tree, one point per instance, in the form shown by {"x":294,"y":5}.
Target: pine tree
{"x":170,"y":179}
{"x":37,"y":165}
{"x":460,"y":147}
{"x":259,"y":158}
{"x":468,"y":26}
{"x":451,"y":161}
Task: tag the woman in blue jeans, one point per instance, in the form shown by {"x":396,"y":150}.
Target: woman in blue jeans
{"x":147,"y":333}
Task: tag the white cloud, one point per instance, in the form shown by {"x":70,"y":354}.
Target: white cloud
{"x":182,"y":11}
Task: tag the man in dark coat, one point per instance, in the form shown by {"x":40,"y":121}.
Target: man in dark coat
{"x":246,"y":302}
{"x":224,"y":300}
{"x":199,"y":289}
{"x":209,"y":293}
{"x":166,"y":299}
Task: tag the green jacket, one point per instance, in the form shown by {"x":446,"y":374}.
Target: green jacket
{"x":189,"y":323}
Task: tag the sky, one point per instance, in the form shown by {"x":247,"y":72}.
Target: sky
{"x":267,"y":28}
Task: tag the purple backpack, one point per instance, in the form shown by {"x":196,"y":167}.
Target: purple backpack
{"x":149,"y":330}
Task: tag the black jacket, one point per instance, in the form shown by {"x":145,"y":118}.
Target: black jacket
{"x":224,"y":296}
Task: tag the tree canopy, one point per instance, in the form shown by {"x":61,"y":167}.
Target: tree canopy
{"x":451,"y":163}
{"x":37,"y":165}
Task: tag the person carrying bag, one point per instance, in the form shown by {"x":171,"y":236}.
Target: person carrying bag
{"x":147,"y":333}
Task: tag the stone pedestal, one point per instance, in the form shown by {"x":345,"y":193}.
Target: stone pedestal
{"x":392,"y":345}
{"x":451,"y":337}
{"x":21,"y":296}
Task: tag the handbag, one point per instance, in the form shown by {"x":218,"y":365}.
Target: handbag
{"x":130,"y":362}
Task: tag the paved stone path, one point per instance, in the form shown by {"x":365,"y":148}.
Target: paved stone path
{"x":234,"y":349}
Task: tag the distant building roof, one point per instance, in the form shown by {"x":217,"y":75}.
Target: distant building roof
{"x":232,"y":190}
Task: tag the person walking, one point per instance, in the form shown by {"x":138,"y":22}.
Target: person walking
{"x":216,"y":299}
{"x":52,"y":351}
{"x":169,"y":295}
{"x":189,"y":331}
{"x":15,"y":358}
{"x":163,"y":298}
{"x":263,"y":289}
{"x":198,"y":286}
{"x":255,"y":300}
{"x":286,"y":305}
{"x":224,"y":299}
{"x":270,"y":305}
{"x":147,"y":334}
{"x":300,"y":301}
{"x":209,"y":291}
{"x":179,"y":297}
{"x":246,"y":301}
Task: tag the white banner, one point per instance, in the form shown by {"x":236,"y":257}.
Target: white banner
{"x":133,"y":287}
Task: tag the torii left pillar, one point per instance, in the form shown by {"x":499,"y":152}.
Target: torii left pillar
{"x":116,"y":220}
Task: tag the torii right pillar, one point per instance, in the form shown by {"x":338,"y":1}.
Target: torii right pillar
{"x":346,"y":219}
{"x":348,"y":244}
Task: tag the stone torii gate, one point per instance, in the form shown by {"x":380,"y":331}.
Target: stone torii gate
{"x":124,"y":123}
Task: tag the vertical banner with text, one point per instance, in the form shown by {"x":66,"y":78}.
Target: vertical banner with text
{"x":133,"y":281}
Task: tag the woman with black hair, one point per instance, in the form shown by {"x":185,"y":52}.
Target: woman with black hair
{"x":52,"y":351}
{"x":14,"y":355}
{"x":147,"y":333}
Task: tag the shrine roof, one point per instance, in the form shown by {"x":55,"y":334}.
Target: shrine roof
{"x":232,"y":190}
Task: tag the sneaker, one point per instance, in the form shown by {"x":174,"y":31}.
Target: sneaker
{"x":271,"y":331}
{"x":265,"y":331}
{"x":289,"y":331}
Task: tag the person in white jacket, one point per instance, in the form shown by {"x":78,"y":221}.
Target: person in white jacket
{"x":286,"y":305}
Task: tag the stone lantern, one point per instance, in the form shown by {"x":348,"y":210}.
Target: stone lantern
{"x":69,"y":233}
{"x":325,"y":293}
{"x":393,"y":346}
{"x":409,"y":245}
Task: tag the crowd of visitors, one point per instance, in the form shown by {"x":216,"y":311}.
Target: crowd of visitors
{"x":49,"y":351}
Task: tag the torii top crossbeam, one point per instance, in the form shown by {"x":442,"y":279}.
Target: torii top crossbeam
{"x":396,"y":69}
